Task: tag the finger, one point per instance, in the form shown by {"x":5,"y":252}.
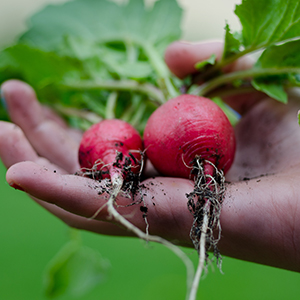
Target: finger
{"x":47,"y":137}
{"x":181,"y":57}
{"x":74,"y":133}
{"x":164,"y":197}
{"x":14,"y":148}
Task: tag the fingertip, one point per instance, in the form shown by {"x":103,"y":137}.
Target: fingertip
{"x":22,"y":104}
{"x":14,"y":172}
{"x":14,"y":147}
{"x":11,"y":179}
{"x":28,"y":173}
{"x":16,"y":87}
{"x":181,"y":56}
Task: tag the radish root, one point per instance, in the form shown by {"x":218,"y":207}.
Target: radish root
{"x":204,"y":202}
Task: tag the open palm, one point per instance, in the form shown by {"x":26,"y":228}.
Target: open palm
{"x":261,"y":213}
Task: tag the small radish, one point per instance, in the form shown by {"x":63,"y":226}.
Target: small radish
{"x":190,"y":136}
{"x":110,"y":146}
{"x":112,"y":149}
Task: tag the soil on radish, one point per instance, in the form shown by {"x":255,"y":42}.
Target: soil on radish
{"x":132,"y":180}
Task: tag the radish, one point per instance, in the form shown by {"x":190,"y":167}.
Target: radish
{"x":186,"y":127}
{"x":190,"y":136}
{"x":112,"y":149}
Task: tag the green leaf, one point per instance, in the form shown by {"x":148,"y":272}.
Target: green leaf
{"x":37,"y":67}
{"x":210,"y":61}
{"x":232,"y":43}
{"x":163,"y":23}
{"x":273,"y":90}
{"x":269,"y":21}
{"x":285,"y":57}
{"x":75,"y":270}
{"x":281,"y":56}
{"x":105,"y":21}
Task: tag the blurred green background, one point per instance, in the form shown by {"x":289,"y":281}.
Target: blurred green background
{"x":30,"y":237}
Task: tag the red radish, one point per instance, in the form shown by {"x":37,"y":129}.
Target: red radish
{"x":112,"y":149}
{"x":190,"y":136}
{"x":110,"y":146}
{"x":186,"y":127}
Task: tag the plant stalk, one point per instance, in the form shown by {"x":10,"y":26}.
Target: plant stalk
{"x":117,"y":85}
{"x":212,"y":84}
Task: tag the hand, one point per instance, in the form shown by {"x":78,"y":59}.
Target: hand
{"x":260,"y":217}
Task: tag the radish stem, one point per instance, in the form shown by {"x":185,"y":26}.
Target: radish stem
{"x":116,"y":85}
{"x":214,"y":83}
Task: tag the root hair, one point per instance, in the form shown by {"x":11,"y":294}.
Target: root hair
{"x":204,"y":202}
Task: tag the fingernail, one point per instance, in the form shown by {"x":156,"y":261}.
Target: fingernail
{"x":15,"y":186}
{"x":3,"y":101}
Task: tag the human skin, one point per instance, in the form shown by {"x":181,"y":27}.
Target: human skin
{"x":260,"y":216}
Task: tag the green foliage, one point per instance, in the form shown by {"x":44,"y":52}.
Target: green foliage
{"x":232,"y":42}
{"x":79,"y":54}
{"x":38,"y":67}
{"x":102,"y":47}
{"x":269,"y":26}
{"x":283,"y":57}
{"x":264,"y":23}
{"x":105,"y":21}
{"x":268,"y":22}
